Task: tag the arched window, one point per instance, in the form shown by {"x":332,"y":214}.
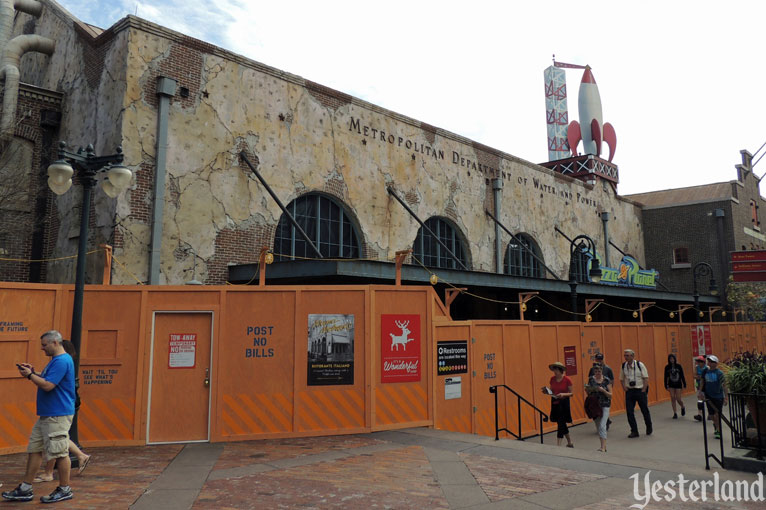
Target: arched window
{"x":326,"y":224}
{"x":431,"y":253}
{"x":518,"y":259}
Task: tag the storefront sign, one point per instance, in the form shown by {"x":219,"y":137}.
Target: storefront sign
{"x":330,"y":349}
{"x":399,"y":348}
{"x":702,"y":342}
{"x":570,"y":359}
{"x":182,"y":350}
{"x":452,"y":357}
{"x":628,"y":274}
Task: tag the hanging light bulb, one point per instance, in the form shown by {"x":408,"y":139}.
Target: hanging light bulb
{"x":723,"y":314}
{"x":434,"y":279}
{"x":672,"y":314}
{"x":635,"y":315}
{"x":588,"y":318}
{"x":523,"y":307}
{"x":269,"y":258}
{"x":702,"y":314}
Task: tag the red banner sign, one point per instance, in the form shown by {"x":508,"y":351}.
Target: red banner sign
{"x":749,"y":266}
{"x":570,"y":359}
{"x":702,"y":342}
{"x":750,"y":276}
{"x":399,"y":348}
{"x":748,"y":256}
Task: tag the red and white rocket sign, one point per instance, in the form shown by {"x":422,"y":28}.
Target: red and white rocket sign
{"x":591,"y":128}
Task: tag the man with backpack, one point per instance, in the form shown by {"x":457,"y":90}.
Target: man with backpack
{"x":635,"y":381}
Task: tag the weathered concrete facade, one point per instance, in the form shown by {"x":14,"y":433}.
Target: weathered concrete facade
{"x":303,"y":138}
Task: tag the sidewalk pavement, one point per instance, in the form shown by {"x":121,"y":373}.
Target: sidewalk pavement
{"x":406,"y":469}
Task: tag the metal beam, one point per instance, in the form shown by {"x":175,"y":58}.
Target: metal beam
{"x":436,"y":238}
{"x":372,"y":272}
{"x":522,"y":244}
{"x":279,"y":203}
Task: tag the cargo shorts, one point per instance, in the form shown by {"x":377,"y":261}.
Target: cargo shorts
{"x":50,"y":436}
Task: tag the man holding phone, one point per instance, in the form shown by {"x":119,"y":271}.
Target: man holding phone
{"x":55,"y":408}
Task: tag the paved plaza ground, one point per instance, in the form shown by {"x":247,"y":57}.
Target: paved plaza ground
{"x":408,"y":469}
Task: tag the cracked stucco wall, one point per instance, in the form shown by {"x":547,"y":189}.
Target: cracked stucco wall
{"x":91,"y":74}
{"x":306,"y":138}
{"x":303,"y":138}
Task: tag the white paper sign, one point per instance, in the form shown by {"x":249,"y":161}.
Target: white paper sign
{"x":182,"y":350}
{"x":452,"y":388}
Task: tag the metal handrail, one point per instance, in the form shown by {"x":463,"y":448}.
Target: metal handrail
{"x":519,"y":399}
{"x":738,"y":411}
{"x":701,"y":406}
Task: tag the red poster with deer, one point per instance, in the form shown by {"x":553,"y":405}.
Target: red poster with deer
{"x":399,"y":348}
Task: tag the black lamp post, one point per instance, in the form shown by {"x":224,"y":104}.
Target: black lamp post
{"x":60,"y":172}
{"x":702,"y":269}
{"x":576,"y":256}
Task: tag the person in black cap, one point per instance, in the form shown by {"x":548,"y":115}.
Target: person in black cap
{"x":607,"y":371}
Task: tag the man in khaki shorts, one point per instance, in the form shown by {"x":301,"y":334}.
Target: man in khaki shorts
{"x":55,"y":408}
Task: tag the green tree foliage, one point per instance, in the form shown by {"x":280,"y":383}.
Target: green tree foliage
{"x":749,"y":297}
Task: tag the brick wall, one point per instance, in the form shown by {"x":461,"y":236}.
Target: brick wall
{"x":27,"y":232}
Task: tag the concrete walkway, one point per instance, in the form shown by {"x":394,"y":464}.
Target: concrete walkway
{"x":413,"y":468}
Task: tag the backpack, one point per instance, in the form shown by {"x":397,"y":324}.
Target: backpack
{"x":638,"y":367}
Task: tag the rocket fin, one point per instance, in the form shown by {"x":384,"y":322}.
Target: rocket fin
{"x":610,"y":137}
{"x":595,"y":132}
{"x":574,"y":136}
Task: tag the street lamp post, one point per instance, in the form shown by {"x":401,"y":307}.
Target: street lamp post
{"x":118,"y":178}
{"x":702,"y":269}
{"x":584,"y":245}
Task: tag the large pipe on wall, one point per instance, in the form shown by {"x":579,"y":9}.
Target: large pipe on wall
{"x":166,"y":89}
{"x":497,"y":188}
{"x":9,"y":69}
{"x":6,"y":15}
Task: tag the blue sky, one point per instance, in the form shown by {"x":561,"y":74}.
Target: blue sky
{"x":680,"y":81}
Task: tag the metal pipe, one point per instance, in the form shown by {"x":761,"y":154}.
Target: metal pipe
{"x":722,"y":254}
{"x":497,"y":191}
{"x":9,"y":68}
{"x":604,"y":221}
{"x":6,"y":15}
{"x":281,"y":206}
{"x":532,"y":253}
{"x":435,"y":237}
{"x":166,"y":89}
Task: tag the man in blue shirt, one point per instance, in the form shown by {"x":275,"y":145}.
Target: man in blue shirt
{"x":55,"y":408}
{"x":714,"y":390}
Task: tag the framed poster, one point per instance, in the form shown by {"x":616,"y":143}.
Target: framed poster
{"x":330,"y":350}
{"x":182,"y":350}
{"x":399,"y":348}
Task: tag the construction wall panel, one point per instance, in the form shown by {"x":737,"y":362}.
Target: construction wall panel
{"x":401,"y":404}
{"x":321,"y":406}
{"x":255,"y":365}
{"x":517,"y":370}
{"x":452,"y":413}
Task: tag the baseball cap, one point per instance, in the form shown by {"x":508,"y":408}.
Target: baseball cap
{"x":699,"y":358}
{"x":599,"y":355}
{"x":712,"y":358}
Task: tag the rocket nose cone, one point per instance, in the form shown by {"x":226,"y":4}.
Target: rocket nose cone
{"x":587,"y":76}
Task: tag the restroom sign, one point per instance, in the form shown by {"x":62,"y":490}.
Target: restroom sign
{"x":182,"y":350}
